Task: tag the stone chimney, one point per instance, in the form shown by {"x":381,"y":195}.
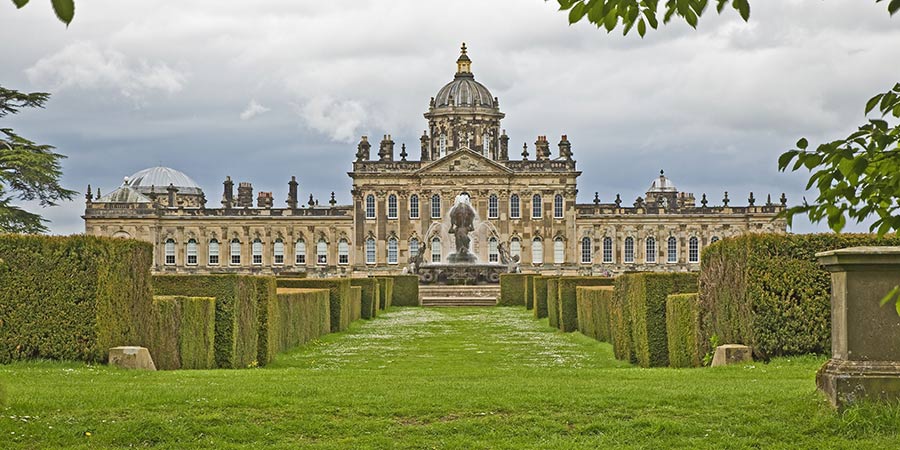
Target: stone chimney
{"x":386,"y":149}
{"x":228,"y":195}
{"x":245,"y":195}
{"x":292,"y":193}
{"x":424,"y":142}
{"x":542,"y":148}
{"x":362,"y":149}
{"x":565,"y":148}
{"x":172,"y":190}
{"x":264,"y":200}
{"x":504,"y":147}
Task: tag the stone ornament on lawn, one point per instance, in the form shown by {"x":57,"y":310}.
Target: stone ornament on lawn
{"x":131,"y":358}
{"x":731,"y":354}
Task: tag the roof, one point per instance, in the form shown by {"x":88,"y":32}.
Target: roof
{"x":662,"y":184}
{"x":159,"y":178}
{"x":124,"y":194}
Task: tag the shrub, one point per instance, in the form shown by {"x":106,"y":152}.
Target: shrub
{"x":619,"y":320}
{"x":769,"y":292}
{"x":404,"y":290}
{"x":301,"y":315}
{"x":594,"y":303}
{"x":512,"y":289}
{"x":265,"y":300}
{"x":237,"y":312}
{"x":529,"y":291}
{"x":553,"y":301}
{"x":567,"y":303}
{"x":386,"y":291}
{"x":72,"y":297}
{"x":370,"y":296}
{"x":338,"y":292}
{"x":645,"y":298}
{"x":683,"y":329}
{"x":183,"y":333}
{"x":355,"y":303}
{"x":539,"y":288}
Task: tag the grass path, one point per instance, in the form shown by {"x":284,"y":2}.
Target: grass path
{"x":436,"y":378}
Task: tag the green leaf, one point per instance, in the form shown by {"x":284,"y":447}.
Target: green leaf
{"x":642,"y":28}
{"x":894,"y":6}
{"x":872,"y":103}
{"x":577,"y":12}
{"x":743,"y":7}
{"x":20,"y":3}
{"x":890,"y":295}
{"x":785,"y":159}
{"x":65,"y":10}
{"x":802,"y":144}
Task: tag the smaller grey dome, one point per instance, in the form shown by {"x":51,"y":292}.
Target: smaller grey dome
{"x":159,"y":178}
{"x":465,"y":92}
{"x":662,"y":184}
{"x":124,"y":194}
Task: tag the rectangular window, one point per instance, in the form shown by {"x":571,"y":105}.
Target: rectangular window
{"x":343,"y":252}
{"x":278,"y":252}
{"x":192,"y":253}
{"x":392,"y":251}
{"x":436,"y":207}
{"x":370,"y":206}
{"x":672,"y":250}
{"x":214,"y":253}
{"x":300,"y":253}
{"x":414,"y":207}
{"x":392,"y":206}
{"x":536,"y":207}
{"x":586,"y":250}
{"x":322,"y":253}
{"x":514,"y":211}
{"x":607,"y":250}
{"x":694,"y":250}
{"x":493,"y":251}
{"x":629,"y":250}
{"x":558,"y":207}
{"x":370,"y":251}
{"x":493,"y":207}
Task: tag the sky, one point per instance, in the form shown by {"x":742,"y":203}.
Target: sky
{"x":261,"y":91}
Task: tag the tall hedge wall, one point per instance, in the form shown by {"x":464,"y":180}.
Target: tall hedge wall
{"x":386,"y":291}
{"x":645,"y":297}
{"x":513,"y":287}
{"x":567,"y":303}
{"x":339,"y":295}
{"x":237,"y":312}
{"x":301,"y":315}
{"x":72,"y":297}
{"x":593,"y":311}
{"x":539,"y":285}
{"x":266,"y":288}
{"x":529,"y":291}
{"x":183,"y":332}
{"x":405,"y":290}
{"x":355,"y":303}
{"x":769,"y":292}
{"x":370,"y":296}
{"x":553,"y":301}
{"x":683,"y":330}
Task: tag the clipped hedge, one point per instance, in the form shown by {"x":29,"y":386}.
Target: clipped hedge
{"x":567,"y":303}
{"x":237,"y":312}
{"x":513,"y":287}
{"x":553,"y":301}
{"x":529,"y":291}
{"x":355,"y":303}
{"x":298,"y":316}
{"x":769,"y":292}
{"x":72,"y":297}
{"x":645,"y":296}
{"x":539,"y":290}
{"x":339,"y":296}
{"x":183,"y":332}
{"x":370,"y":296}
{"x":405,"y":290}
{"x":386,"y":291}
{"x":265,"y":300}
{"x":594,"y":303}
{"x":683,"y":329}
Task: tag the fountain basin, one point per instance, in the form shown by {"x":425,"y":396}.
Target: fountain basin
{"x":467,"y":273}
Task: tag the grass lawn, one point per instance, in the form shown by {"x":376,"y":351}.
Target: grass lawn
{"x":436,"y":378}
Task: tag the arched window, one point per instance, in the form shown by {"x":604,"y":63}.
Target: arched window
{"x":493,"y":251}
{"x":629,"y":250}
{"x":714,"y":240}
{"x":370,"y":206}
{"x":413,"y":247}
{"x":370,"y":251}
{"x":515,"y":247}
{"x":300,"y":252}
{"x":392,"y":206}
{"x":694,"y":250}
{"x":322,"y":252}
{"x":537,"y":251}
{"x":514,"y":208}
{"x":235,"y":252}
{"x":256,"y":250}
{"x":586,"y":250}
{"x":435,"y":206}
{"x":213,"y":257}
{"x":651,"y":250}
{"x":436,"y":250}
{"x":559,"y":250}
{"x":343,"y":252}
{"x":414,"y":206}
{"x":558,"y":207}
{"x":278,"y":252}
{"x":608,"y":250}
{"x":191,"y":252}
{"x":672,"y":250}
{"x":442,"y":146}
{"x":536,"y":207}
{"x":392,"y":251}
{"x":170,"y":252}
{"x":493,"y":207}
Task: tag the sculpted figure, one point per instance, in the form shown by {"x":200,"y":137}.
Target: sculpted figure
{"x":462,"y":218}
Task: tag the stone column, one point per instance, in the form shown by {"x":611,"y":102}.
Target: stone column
{"x":865,"y":337}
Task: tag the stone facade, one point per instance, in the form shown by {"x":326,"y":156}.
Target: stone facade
{"x":400,"y":206}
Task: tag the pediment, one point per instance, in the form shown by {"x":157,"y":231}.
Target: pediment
{"x":464,"y":162}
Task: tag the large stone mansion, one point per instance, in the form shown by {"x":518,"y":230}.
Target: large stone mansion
{"x":525,"y":202}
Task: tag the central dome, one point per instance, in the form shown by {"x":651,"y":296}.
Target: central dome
{"x":159,"y":178}
{"x":464,"y":90}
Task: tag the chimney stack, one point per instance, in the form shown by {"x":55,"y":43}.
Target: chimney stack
{"x":228,"y":195}
{"x":264,"y":200}
{"x":292,"y":193}
{"x":172,"y":190}
{"x":386,"y":150}
{"x":362,"y":149}
{"x":542,"y":148}
{"x":245,"y":195}
{"x":565,"y":148}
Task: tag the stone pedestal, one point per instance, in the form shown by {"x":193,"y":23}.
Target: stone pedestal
{"x":131,"y":358}
{"x":865,"y":337}
{"x":731,"y":354}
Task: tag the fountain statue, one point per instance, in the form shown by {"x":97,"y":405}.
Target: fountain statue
{"x":462,"y":222}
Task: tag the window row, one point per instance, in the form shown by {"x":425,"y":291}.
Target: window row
{"x":515,"y":208}
{"x":256,"y":252}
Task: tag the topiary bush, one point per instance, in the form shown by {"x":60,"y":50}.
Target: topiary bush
{"x":769,"y":292}
{"x":339,"y":295}
{"x":355,"y":303}
{"x":370,"y":296}
{"x":183,"y":333}
{"x":386,"y":291}
{"x":237,"y":312}
{"x":683,"y":330}
{"x":645,"y":296}
{"x":404,"y":290}
{"x":539,"y":290}
{"x":513,"y":287}
{"x":301,"y":315}
{"x":529,"y":291}
{"x":72,"y":297}
{"x":593,"y":311}
{"x":567,"y":303}
{"x":553,"y":301}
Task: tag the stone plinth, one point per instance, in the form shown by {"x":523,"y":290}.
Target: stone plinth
{"x":731,"y":354}
{"x":131,"y":358}
{"x":865,"y":337}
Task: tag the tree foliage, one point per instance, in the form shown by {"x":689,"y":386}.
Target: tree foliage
{"x":28,"y":171}
{"x":64,"y":9}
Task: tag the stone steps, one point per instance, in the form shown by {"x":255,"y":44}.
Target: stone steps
{"x":458,"y":301}
{"x":448,"y":296}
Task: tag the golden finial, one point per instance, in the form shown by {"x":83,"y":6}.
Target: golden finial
{"x":463,"y":64}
